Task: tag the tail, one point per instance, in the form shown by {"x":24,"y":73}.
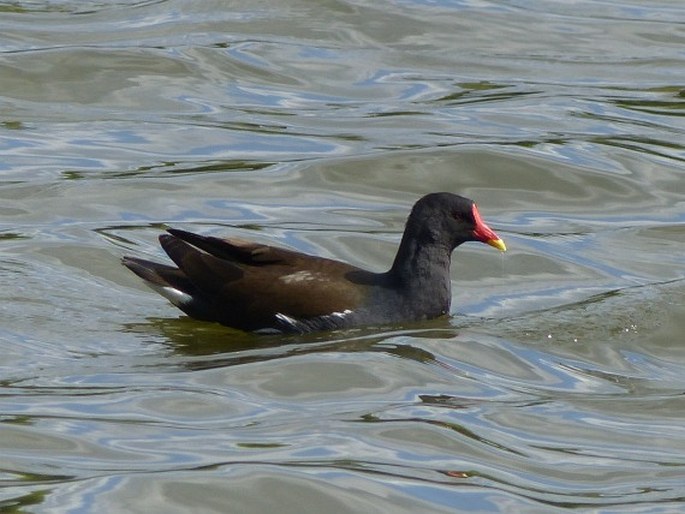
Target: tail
{"x":172,"y":284}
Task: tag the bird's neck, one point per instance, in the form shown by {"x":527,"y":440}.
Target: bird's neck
{"x":423,"y":270}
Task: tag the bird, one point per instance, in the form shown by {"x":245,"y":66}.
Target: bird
{"x":267,"y":289}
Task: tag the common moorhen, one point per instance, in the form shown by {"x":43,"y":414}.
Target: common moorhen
{"x":252,"y":286}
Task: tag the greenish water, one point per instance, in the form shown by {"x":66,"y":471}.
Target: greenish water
{"x":557,"y":383}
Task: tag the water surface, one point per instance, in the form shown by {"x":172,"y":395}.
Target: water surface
{"x":557,"y":382}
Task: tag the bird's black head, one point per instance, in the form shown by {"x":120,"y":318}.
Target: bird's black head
{"x":449,"y":220}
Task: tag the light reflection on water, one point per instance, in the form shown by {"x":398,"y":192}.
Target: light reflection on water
{"x":557,"y":383}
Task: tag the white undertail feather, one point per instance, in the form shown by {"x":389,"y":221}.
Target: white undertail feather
{"x":175,"y":296}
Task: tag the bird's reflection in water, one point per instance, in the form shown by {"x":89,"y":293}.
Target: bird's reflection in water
{"x":209,"y":345}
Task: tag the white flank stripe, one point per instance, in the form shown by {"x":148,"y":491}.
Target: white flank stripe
{"x":286,"y":319}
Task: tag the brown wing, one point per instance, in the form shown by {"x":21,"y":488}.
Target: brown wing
{"x":238,"y":250}
{"x":248,"y":284}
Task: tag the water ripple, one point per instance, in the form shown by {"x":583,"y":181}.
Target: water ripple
{"x":556,"y":384}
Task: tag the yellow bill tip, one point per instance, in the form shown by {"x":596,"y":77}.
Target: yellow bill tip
{"x":497,"y":243}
